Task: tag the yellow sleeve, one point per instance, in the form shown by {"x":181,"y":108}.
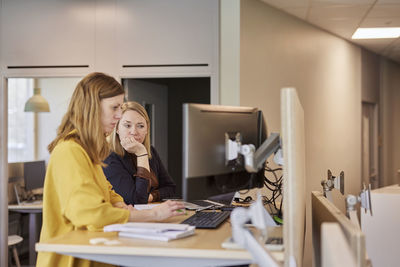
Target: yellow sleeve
{"x":83,"y":200}
{"x":114,"y":196}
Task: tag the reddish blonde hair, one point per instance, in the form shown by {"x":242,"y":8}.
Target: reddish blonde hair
{"x":84,"y":115}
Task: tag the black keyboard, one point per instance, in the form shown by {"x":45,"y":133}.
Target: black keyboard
{"x":207,"y":220}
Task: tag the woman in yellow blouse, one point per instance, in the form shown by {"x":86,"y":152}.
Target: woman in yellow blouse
{"x":76,"y":193}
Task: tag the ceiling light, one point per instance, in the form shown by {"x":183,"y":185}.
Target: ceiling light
{"x":376,"y":33}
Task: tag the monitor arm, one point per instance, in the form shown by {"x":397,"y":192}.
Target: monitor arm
{"x":333,"y":182}
{"x":243,"y":237}
{"x":253,"y":159}
{"x":364,"y":198}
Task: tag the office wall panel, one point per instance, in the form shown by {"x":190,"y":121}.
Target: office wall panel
{"x":390,"y":122}
{"x":279,"y":50}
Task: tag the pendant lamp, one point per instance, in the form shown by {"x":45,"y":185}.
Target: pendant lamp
{"x":37,"y":103}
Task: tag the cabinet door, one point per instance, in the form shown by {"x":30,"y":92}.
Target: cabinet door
{"x":173,"y":33}
{"x":43,"y":33}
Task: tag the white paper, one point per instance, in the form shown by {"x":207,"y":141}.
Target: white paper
{"x":164,"y":236}
{"x":153,"y":231}
{"x":145,"y":206}
{"x":134,"y":226}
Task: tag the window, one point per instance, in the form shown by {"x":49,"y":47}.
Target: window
{"x":21,"y":133}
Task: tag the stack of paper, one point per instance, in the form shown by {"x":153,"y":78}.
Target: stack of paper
{"x":153,"y":231}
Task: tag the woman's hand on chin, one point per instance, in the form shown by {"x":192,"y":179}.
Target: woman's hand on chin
{"x":133,"y":146}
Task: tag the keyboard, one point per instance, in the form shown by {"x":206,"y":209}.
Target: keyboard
{"x":207,"y":220}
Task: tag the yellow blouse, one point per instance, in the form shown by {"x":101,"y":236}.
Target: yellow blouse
{"x":76,"y":196}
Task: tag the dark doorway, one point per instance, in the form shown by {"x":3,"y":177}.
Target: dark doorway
{"x":163,"y":99}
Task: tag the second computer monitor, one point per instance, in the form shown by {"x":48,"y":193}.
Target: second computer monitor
{"x":205,"y":172}
{"x":34,"y":173}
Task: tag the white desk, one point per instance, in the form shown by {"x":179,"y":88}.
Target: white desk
{"x":33,"y":209}
{"x":202,"y":249}
{"x":381,"y":230}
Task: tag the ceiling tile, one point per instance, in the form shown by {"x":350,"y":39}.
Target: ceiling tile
{"x":300,"y":12}
{"x":341,"y":2}
{"x":342,"y":17}
{"x":281,"y":4}
{"x":385,"y":11}
{"x":342,"y":27}
{"x":343,"y":32}
{"x":342,"y":11}
{"x":379,"y":2}
{"x":380,"y":22}
{"x":336,"y":22}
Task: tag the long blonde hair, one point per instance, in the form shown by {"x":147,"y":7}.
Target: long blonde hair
{"x":115,"y":141}
{"x":84,"y":115}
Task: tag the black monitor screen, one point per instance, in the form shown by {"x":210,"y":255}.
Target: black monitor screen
{"x":34,"y":173}
{"x":205,"y":171}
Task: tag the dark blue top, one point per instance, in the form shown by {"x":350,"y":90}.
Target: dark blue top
{"x":132,"y":183}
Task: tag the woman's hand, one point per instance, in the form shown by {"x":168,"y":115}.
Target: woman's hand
{"x":133,"y":146}
{"x":150,"y":198}
{"x":158,"y":213}
{"x":168,"y":209}
{"x":122,"y":205}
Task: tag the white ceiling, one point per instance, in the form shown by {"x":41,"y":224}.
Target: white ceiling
{"x":343,"y":17}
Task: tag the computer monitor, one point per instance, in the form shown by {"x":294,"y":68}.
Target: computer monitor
{"x":205,"y":172}
{"x":294,"y":176}
{"x":34,"y":173}
{"x":325,"y":211}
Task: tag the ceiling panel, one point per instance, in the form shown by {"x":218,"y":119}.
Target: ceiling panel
{"x":385,"y":11}
{"x":380,"y":22}
{"x":343,"y":17}
{"x":341,"y":27}
{"x":338,"y":11}
{"x":340,"y":2}
{"x":288,"y":3}
{"x":300,"y":12}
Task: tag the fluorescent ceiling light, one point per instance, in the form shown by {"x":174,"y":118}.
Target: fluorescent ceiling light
{"x":376,"y":33}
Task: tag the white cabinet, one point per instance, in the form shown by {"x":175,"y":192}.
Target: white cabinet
{"x":173,"y":34}
{"x":125,"y":38}
{"x":48,"y":34}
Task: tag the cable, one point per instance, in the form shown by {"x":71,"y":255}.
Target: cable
{"x":275,"y":185}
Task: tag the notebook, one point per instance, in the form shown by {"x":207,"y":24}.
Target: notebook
{"x":151,"y":231}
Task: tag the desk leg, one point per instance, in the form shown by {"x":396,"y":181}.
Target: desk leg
{"x":32,"y":238}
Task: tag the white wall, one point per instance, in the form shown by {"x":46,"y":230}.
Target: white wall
{"x":58,"y":92}
{"x":370,"y":76}
{"x":278,"y":50}
{"x":229,"y":64}
{"x":390,"y":122}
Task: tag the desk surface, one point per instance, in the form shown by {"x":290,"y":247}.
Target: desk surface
{"x":202,"y":249}
{"x":33,"y":209}
{"x":37,"y":205}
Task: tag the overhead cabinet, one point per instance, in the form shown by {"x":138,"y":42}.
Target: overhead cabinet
{"x":48,"y":34}
{"x":119,"y":37}
{"x":176,"y":33}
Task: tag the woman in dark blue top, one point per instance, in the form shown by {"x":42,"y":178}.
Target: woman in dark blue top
{"x":134,"y":168}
